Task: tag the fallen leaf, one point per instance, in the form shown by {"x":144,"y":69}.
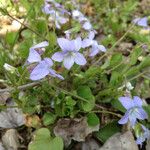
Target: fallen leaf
{"x":73,"y":129}
{"x":11,"y":117}
{"x":120,"y":142}
{"x":32,"y":121}
{"x":3,"y":97}
{"x":10,"y":139}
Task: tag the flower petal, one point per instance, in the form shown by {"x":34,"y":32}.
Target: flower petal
{"x":80,"y":59}
{"x":40,"y":71}
{"x":132,"y":119}
{"x":93,"y":51}
{"x":48,"y":61}
{"x":34,"y":56}
{"x":102,"y":48}
{"x":137,"y":101}
{"x":65,"y":44}
{"x":141,"y":21}
{"x":77,"y":43}
{"x":40,"y":45}
{"x":141,"y":114}
{"x":68,"y":61}
{"x":92,"y":35}
{"x":54,"y":74}
{"x":58,"y":56}
{"x":87,"y":26}
{"x":124,"y":119}
{"x":86,"y":43}
{"x":126,"y":102}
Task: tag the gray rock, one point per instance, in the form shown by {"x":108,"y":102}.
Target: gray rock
{"x":148,"y":145}
{"x":120,"y":142}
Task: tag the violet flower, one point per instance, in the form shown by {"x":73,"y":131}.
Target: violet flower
{"x":95,"y":47}
{"x":43,"y":68}
{"x":145,"y":135}
{"x":77,"y":15}
{"x":57,"y":13}
{"x":70,"y":52}
{"x":141,"y":21}
{"x":134,"y":110}
{"x":36,"y":51}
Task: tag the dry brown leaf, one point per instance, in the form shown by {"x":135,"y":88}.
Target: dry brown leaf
{"x":73,"y":129}
{"x":10,"y":139}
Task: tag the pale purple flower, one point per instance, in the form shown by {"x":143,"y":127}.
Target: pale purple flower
{"x":141,"y":21}
{"x":95,"y":47}
{"x":87,"y":25}
{"x":70,"y":52}
{"x":145,"y":135}
{"x":36,"y":51}
{"x":57,"y":13}
{"x":43,"y":69}
{"x":134,"y":110}
{"x":77,"y":15}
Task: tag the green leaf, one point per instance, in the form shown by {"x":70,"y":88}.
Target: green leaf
{"x":115,"y":59}
{"x":85,"y":92}
{"x":145,"y":63}
{"x":11,"y":37}
{"x":52,"y":38}
{"x":49,"y":118}
{"x":43,"y":141}
{"x":107,"y":131}
{"x":92,"y":119}
{"x":115,"y":78}
{"x":116,"y":104}
{"x":70,"y":101}
{"x":134,"y":56}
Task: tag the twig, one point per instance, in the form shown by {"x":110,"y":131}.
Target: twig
{"x":22,"y":87}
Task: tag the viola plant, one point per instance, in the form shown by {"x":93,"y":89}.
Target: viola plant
{"x":134,"y":110}
{"x":74,"y":67}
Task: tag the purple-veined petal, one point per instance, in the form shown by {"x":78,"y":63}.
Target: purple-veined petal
{"x":141,"y":114}
{"x":58,"y":56}
{"x":126,"y":102}
{"x":86,"y":42}
{"x":68,"y":61}
{"x":34,"y":56}
{"x":40,"y":71}
{"x":40,"y":45}
{"x":54,"y":74}
{"x":91,"y":35}
{"x":124,"y":119}
{"x":93,"y":51}
{"x":137,"y":101}
{"x":48,"y":61}
{"x":80,"y":59}
{"x":77,"y":43}
{"x":65,"y":44}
